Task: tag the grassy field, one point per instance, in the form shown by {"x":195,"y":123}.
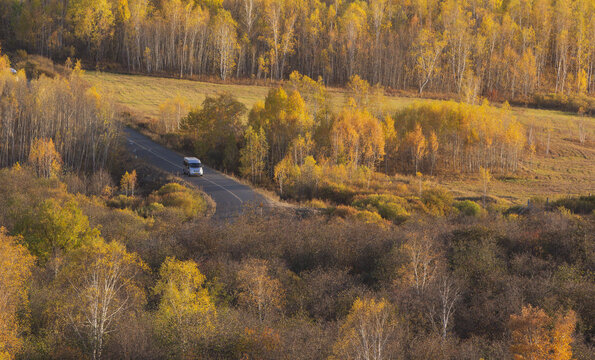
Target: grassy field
{"x":143,"y":94}
{"x":569,"y":169}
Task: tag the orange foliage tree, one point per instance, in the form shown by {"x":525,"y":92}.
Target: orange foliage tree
{"x":535,"y":335}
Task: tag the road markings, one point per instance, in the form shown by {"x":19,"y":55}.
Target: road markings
{"x":178,"y":166}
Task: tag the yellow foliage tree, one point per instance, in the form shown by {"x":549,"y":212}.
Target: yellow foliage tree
{"x":15,"y":270}
{"x":56,"y":229}
{"x":427,"y":49}
{"x":529,"y":334}
{"x":285,"y":173}
{"x":100,"y":285}
{"x":283,"y":117}
{"x":417,"y":144}
{"x":360,"y":91}
{"x":171,"y":112}
{"x":468,"y":135}
{"x":357,"y":138}
{"x":313,"y":92}
{"x":310,"y":173}
{"x":486,"y":177}
{"x":93,"y":21}
{"x":258,"y":290}
{"x":128,"y":182}
{"x":4,"y":62}
{"x":366,"y":331}
{"x":300,"y":148}
{"x":186,"y":311}
{"x":433,"y":141}
{"x":253,"y":154}
{"x":44,"y":158}
{"x":391,"y":141}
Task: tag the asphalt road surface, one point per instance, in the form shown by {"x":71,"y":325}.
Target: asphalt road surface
{"x":230,"y":196}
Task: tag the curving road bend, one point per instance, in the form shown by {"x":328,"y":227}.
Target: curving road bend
{"x":230,"y":196}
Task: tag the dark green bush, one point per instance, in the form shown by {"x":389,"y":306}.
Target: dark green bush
{"x":468,"y":208}
{"x":574,"y":103}
{"x":577,"y":205}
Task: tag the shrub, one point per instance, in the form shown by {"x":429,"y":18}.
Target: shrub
{"x":171,"y":188}
{"x":577,"y":205}
{"x":344,"y":212}
{"x":178,"y":196}
{"x":390,"y":207}
{"x":316,"y":204}
{"x":123,"y":202}
{"x":369,"y":217}
{"x":401,"y":188}
{"x":468,"y":207}
{"x":337,"y":193}
{"x":574,"y":103}
{"x":151,"y":209}
{"x":437,"y":201}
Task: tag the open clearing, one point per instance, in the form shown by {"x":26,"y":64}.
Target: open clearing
{"x":569,"y":169}
{"x":142,"y":94}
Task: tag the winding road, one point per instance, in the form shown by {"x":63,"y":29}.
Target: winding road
{"x":230,"y":196}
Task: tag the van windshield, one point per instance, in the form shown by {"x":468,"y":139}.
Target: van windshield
{"x":194,"y":165}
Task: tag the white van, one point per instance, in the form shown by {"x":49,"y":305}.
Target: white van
{"x":192,"y":166}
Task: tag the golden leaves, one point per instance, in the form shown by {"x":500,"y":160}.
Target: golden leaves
{"x":259,"y":290}
{"x":186,"y":310}
{"x":366,"y":329}
{"x":44,"y":158}
{"x":128,"y":182}
{"x":535,"y":335}
{"x":15,"y":270}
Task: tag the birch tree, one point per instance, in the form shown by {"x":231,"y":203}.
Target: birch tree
{"x":101,"y":284}
{"x":225,"y":42}
{"x":186,"y":312}
{"x":253,"y":154}
{"x":427,"y":50}
{"x":367,"y":331}
{"x":259,"y":290}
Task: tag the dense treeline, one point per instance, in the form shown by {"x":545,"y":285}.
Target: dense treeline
{"x":76,"y":118}
{"x":462,"y":137}
{"x":82,"y":279}
{"x":510,"y":49}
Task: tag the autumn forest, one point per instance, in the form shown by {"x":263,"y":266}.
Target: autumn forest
{"x":424,"y":176}
{"x":502,"y":49}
